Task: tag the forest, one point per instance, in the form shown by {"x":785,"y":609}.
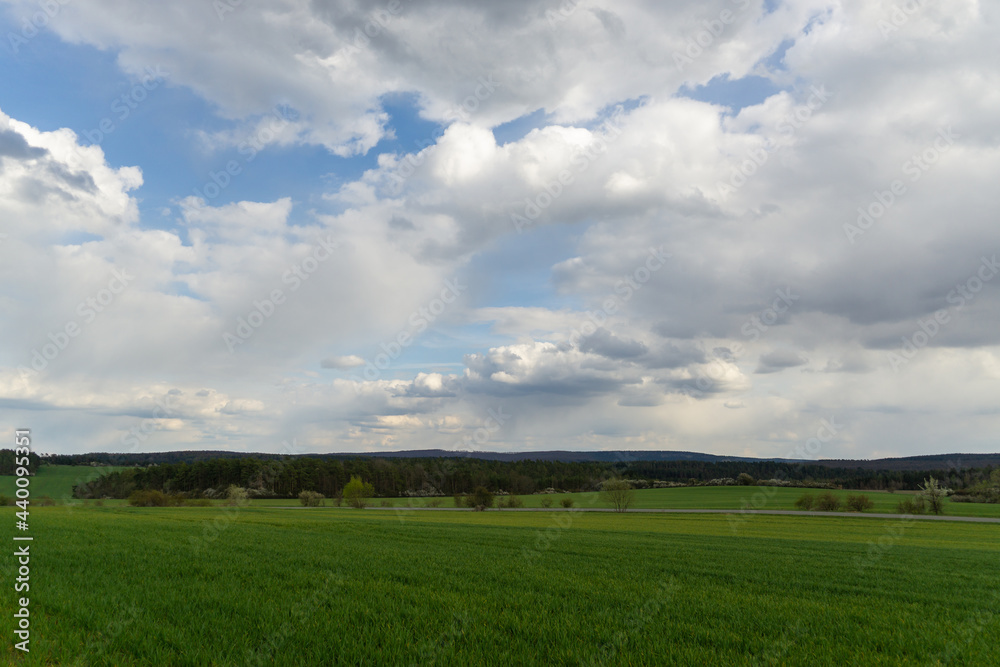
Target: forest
{"x":397,"y":477}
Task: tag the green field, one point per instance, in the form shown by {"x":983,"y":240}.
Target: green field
{"x":54,"y":481}
{"x":208,"y":586}
{"x":703,"y":497}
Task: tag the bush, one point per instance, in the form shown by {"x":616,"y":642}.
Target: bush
{"x":46,"y":501}
{"x":4,"y":500}
{"x":744,"y":479}
{"x":197,"y":502}
{"x":311,"y":498}
{"x":859,"y":503}
{"x":566,"y":502}
{"x":805,"y":501}
{"x":827,"y":502}
{"x":387,"y":503}
{"x":434,"y":502}
{"x":459,"y":500}
{"x":236,"y":496}
{"x":149,"y":499}
{"x":511,"y":502}
{"x":546,"y":501}
{"x":914,"y":505}
{"x":99,"y":503}
{"x":358,"y":493}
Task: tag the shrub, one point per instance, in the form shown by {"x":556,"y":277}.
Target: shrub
{"x":358,"y":493}
{"x":387,"y":503}
{"x":459,"y":500}
{"x":4,"y":500}
{"x":236,"y":496}
{"x":512,"y":502}
{"x":99,"y":503}
{"x":198,"y":502}
{"x":311,"y":498}
{"x":546,"y":501}
{"x":827,"y":502}
{"x":435,"y":502}
{"x":805,"y":501}
{"x":566,"y":502}
{"x":744,"y":479}
{"x":618,"y":493}
{"x":914,"y":505}
{"x":480,"y":499}
{"x":148,"y":499}
{"x":859,"y":503}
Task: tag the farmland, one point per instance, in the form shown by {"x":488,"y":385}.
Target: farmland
{"x":138,"y":586}
{"x":55,"y":481}
{"x":700,"y":497}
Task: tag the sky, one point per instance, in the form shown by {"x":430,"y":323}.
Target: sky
{"x":736,"y":227}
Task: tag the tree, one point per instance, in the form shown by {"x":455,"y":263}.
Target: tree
{"x":745,"y":479}
{"x":933,"y":494}
{"x":358,"y":493}
{"x":481,"y":498}
{"x":310,"y":499}
{"x":618,"y":493}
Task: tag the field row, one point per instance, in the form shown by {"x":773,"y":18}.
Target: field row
{"x":218,"y":586}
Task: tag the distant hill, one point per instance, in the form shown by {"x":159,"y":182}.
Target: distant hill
{"x":909,"y":463}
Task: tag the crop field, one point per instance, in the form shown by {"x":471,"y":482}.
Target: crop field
{"x":700,"y":497}
{"x":227,"y":586}
{"x":55,"y":481}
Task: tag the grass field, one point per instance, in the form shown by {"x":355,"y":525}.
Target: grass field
{"x":54,"y":481}
{"x":207,"y":586}
{"x":704,"y":497}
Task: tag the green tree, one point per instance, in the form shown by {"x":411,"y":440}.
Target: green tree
{"x":358,"y":493}
{"x":481,"y":498}
{"x":618,"y":493}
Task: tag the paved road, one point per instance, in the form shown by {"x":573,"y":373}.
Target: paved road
{"x":849,"y":515}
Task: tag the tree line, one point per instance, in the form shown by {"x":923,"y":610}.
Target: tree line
{"x":7,"y":459}
{"x":395,"y":477}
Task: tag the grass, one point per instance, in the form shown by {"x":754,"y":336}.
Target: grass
{"x":710,"y":497}
{"x":55,"y":481}
{"x":207,"y":586}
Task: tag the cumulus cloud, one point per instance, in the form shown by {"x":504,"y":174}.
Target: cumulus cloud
{"x":672,"y":248}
